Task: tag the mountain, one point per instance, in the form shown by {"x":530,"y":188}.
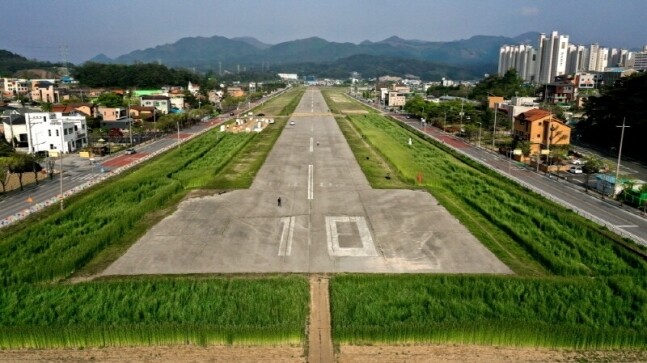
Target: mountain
{"x":479,"y":53}
{"x":253,"y":42}
{"x":101,"y":58}
{"x":11,"y":63}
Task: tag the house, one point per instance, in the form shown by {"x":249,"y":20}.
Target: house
{"x":395,"y":99}
{"x":112,"y":113}
{"x":47,"y":131}
{"x":45,"y":91}
{"x":542,"y":129}
{"x":193,"y":88}
{"x":142,"y":112}
{"x":86,"y":109}
{"x":177,"y":101}
{"x":161,"y":103}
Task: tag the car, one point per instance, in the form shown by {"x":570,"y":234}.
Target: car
{"x":291,"y":122}
{"x":130,"y":151}
{"x":261,"y":114}
{"x":575,"y":170}
{"x":577,"y":162}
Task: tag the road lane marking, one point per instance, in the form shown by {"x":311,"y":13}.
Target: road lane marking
{"x":332,"y":238}
{"x":285,"y":247}
{"x":627,"y":226}
{"x":310,"y":182}
{"x":311,"y":143}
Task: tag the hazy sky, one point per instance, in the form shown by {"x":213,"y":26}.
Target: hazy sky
{"x":41,"y":29}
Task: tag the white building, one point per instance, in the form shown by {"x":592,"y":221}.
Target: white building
{"x":47,"y":131}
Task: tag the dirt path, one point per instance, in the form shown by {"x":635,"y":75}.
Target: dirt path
{"x":320,"y":349}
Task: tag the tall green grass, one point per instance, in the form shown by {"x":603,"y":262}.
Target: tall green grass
{"x":574,"y":313}
{"x":154,"y":312}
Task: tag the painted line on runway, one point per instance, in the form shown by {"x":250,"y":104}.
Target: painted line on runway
{"x":285,"y":247}
{"x":332,"y":238}
{"x":310,"y":182}
{"x":311,"y":145}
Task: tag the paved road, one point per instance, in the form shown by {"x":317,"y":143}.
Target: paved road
{"x":624,"y":220}
{"x":329,"y":219}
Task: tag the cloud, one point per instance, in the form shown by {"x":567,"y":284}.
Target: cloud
{"x":529,"y":11}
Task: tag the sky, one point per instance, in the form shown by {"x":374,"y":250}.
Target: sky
{"x":77,"y":30}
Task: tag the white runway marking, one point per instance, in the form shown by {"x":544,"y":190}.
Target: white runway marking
{"x":310,"y":182}
{"x":332,"y":234}
{"x":285,"y":247}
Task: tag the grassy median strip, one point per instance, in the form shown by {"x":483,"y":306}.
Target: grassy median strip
{"x":578,"y":286}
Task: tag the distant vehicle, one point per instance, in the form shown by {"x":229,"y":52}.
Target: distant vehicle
{"x":577,"y":162}
{"x":130,"y":151}
{"x":231,"y":114}
{"x":261,"y":114}
{"x":291,"y":122}
{"x":575,"y":170}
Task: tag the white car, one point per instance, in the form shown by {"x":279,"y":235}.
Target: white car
{"x":577,"y":162}
{"x":575,"y":170}
{"x":291,"y":122}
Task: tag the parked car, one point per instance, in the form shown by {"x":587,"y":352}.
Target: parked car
{"x":291,"y":122}
{"x":130,"y":151}
{"x":577,"y":162}
{"x":575,"y":170}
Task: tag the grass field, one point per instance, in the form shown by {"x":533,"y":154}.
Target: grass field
{"x":37,"y":310}
{"x":578,"y":286}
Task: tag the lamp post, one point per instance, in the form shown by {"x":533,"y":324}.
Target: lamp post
{"x":178,"y":133}
{"x":461,"y":114}
{"x":445,"y":122}
{"x":479,"y":144}
{"x":622,"y":136}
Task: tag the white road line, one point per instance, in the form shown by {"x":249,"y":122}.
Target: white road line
{"x":627,"y":226}
{"x":311,"y":144}
{"x":310,"y":182}
{"x":285,"y":247}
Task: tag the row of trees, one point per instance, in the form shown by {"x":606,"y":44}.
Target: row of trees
{"x":132,"y":76}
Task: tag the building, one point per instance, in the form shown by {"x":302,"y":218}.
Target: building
{"x":555,"y":56}
{"x":48,"y":131}
{"x":161,"y":103}
{"x":639,"y":60}
{"x":542,"y":129}
{"x":86,"y":109}
{"x":112,"y":113}
{"x":45,"y":91}
{"x":395,"y":99}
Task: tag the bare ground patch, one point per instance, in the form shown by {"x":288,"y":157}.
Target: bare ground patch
{"x":177,"y":354}
{"x":478,"y":354}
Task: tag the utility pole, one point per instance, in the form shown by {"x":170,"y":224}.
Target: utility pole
{"x":622,"y":136}
{"x":496,"y":109}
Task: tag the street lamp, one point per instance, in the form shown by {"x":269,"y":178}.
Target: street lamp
{"x":479,"y":144}
{"x":622,"y":136}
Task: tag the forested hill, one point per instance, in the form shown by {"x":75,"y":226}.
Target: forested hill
{"x":10,"y":63}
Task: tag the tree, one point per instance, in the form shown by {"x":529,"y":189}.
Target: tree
{"x":20,"y":164}
{"x":5,"y":165}
{"x":509,"y":85}
{"x":46,"y":107}
{"x":110,"y":99}
{"x":592,"y":165}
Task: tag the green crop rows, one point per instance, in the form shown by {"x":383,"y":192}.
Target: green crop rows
{"x":579,"y":287}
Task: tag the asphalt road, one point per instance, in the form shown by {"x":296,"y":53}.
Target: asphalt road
{"x":328,"y":219}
